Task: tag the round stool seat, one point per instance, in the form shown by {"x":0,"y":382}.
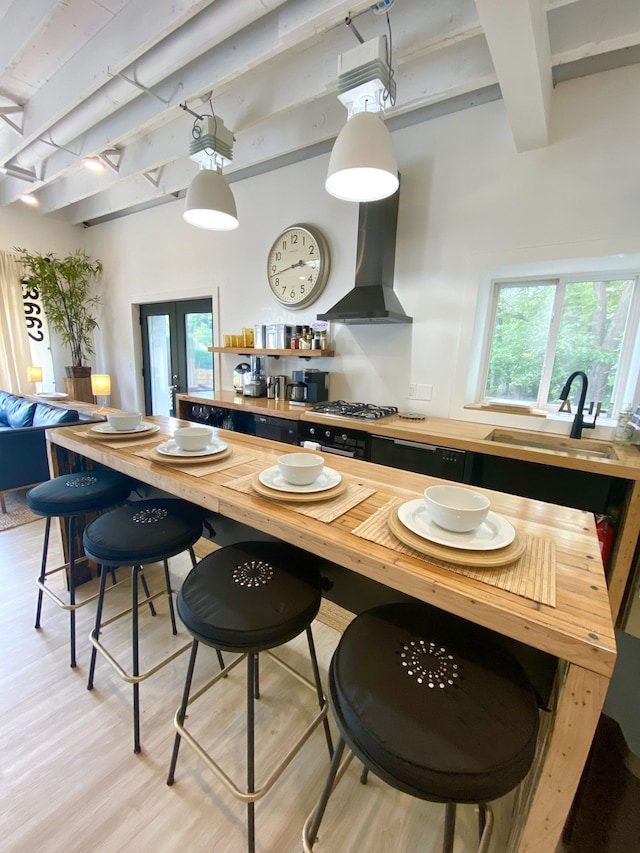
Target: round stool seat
{"x":250,"y":596}
{"x":71,"y":494}
{"x":433,"y":704}
{"x":143,"y":532}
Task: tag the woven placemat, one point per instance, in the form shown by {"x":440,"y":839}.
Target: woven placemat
{"x":202,"y":469}
{"x":532,"y":576}
{"x":326,"y":511}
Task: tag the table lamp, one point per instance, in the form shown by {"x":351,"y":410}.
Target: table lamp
{"x":34,"y":374}
{"x":101,"y":387}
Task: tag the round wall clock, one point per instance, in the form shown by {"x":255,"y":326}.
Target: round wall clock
{"x":298,"y":265}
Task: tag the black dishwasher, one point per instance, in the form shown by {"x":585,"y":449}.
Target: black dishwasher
{"x":430,"y":459}
{"x":277,"y":429}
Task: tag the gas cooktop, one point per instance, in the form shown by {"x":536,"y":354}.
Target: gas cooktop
{"x":357,"y":411}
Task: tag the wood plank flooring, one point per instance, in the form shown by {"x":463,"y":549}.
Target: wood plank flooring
{"x":69,"y":780}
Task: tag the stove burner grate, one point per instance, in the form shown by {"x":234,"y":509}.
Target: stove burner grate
{"x":358,"y":411}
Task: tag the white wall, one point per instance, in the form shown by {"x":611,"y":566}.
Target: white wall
{"x":23,"y":228}
{"x":468,"y":203}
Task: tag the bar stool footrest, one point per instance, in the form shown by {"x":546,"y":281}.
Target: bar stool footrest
{"x":244,"y":796}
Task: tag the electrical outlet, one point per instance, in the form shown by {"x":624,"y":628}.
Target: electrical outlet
{"x":424,"y":392}
{"x":413,"y":390}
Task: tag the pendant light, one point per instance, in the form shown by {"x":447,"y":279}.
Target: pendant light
{"x":210,"y":203}
{"x":363,"y":166}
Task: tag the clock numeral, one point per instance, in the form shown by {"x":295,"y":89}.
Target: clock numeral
{"x":294,"y":239}
{"x":312,"y":249}
{"x":278,"y":256}
{"x":276,"y":282}
{"x":302,"y":290}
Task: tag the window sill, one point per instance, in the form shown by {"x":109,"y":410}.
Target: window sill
{"x":508,"y":409}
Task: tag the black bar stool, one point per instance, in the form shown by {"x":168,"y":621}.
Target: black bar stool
{"x":434,"y":706}
{"x":249,"y":598}
{"x":70,"y":496}
{"x":139,"y":533}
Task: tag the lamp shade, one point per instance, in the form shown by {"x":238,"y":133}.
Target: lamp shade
{"x":210,"y":203}
{"x":363,"y":165}
{"x":34,"y":374}
{"x":100,"y":384}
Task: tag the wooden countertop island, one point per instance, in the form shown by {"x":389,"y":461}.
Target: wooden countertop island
{"x":576,"y":628}
{"x":623,"y":462}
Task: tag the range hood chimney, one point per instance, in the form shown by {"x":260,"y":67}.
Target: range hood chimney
{"x":373,"y":299}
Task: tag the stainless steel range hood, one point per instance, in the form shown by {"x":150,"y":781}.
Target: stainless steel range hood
{"x":373,"y":299}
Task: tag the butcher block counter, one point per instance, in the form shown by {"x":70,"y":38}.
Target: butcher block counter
{"x":624,"y":462}
{"x":574,"y":625}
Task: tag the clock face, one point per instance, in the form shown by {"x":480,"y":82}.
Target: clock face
{"x":298,"y":265}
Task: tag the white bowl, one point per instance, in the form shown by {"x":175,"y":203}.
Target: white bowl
{"x":124,"y":421}
{"x":456,"y":508}
{"x":193,"y":438}
{"x":300,"y":469}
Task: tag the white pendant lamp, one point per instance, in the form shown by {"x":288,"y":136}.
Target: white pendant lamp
{"x":363,"y":165}
{"x":210,"y":203}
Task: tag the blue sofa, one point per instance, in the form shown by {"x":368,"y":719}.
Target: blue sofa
{"x":23,"y":446}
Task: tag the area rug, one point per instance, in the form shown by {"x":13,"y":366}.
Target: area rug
{"x":17,"y":511}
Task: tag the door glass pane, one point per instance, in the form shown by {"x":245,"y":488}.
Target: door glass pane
{"x":160,"y":364}
{"x":592,"y":328}
{"x":199,"y":337}
{"x":519,"y":342}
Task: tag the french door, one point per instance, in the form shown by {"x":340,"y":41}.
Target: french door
{"x":175,"y":355}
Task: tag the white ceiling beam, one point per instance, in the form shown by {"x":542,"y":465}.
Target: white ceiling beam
{"x":125,"y":38}
{"x":427,"y":79}
{"x":20,"y":25}
{"x":597,"y":29}
{"x":518,"y":39}
{"x":259,"y":42}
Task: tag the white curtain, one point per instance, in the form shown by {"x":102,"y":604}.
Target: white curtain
{"x":15,"y":355}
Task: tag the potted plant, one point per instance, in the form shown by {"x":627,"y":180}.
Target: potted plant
{"x":64,"y":285}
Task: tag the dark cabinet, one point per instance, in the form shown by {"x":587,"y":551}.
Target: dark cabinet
{"x":595,"y":493}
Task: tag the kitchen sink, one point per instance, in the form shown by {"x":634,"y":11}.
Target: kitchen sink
{"x":579,"y":447}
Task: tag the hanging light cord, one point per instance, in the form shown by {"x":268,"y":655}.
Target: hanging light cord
{"x":386,"y":95}
{"x":196,"y":129}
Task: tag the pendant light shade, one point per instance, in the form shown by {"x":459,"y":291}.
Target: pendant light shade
{"x":210,"y":203}
{"x":363,"y":165}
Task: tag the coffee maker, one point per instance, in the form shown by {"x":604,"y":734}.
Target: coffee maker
{"x":316,"y":382}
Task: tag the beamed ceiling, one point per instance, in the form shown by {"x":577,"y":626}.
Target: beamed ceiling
{"x":85,"y":77}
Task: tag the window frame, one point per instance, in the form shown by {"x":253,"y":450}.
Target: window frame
{"x":625,"y":389}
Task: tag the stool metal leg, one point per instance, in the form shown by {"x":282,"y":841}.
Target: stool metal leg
{"x":318,"y":683}
{"x":135,"y":571}
{"x":182,"y":711}
{"x":326,"y":791}
{"x":72,"y":590}
{"x":449,"y":828}
{"x":43,"y":568}
{"x":147,"y":593}
{"x":167,"y":581}
{"x":251,"y":687}
{"x":96,"y":630}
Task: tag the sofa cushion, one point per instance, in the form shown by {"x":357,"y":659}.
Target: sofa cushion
{"x":5,"y":398}
{"x":19,"y":412}
{"x":46,"y":415}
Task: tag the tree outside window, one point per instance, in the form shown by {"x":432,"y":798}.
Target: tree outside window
{"x":544,"y":330}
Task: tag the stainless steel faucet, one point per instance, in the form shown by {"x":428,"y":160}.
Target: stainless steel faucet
{"x":578,"y":421}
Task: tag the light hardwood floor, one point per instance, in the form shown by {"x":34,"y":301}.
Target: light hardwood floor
{"x":71,"y":782}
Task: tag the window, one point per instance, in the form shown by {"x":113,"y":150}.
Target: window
{"x":541,"y":330}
